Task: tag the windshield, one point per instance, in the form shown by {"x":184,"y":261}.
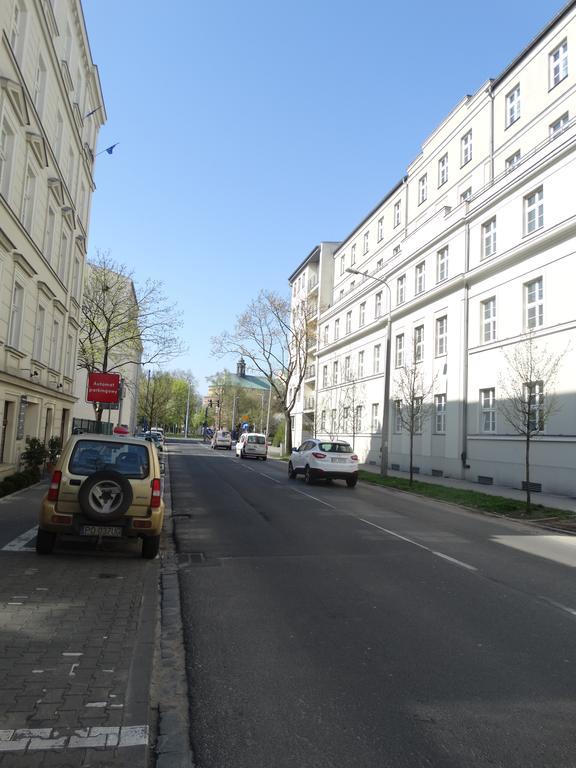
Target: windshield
{"x":260,"y":439}
{"x":90,"y":456}
{"x":335,"y":447}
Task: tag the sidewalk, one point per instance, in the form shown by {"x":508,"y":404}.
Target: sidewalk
{"x":546,"y":499}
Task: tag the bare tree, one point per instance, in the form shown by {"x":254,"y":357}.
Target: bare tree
{"x":411,"y":403}
{"x":341,"y":402}
{"x":528,"y":398}
{"x":123,"y":323}
{"x":276,"y":344}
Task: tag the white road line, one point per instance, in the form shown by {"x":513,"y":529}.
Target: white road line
{"x":564,"y":608}
{"x":269,"y":478}
{"x":302,"y":493}
{"x":421,"y":546}
{"x":20,"y":542}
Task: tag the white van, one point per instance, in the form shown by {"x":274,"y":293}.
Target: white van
{"x":252,"y":445}
{"x":222,"y":439}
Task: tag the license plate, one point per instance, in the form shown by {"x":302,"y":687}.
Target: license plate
{"x":114,"y":531}
{"x":338,"y":460}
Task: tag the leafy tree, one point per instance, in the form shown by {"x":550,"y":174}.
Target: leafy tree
{"x":528,"y":399}
{"x":276,"y":343}
{"x":122,"y":322}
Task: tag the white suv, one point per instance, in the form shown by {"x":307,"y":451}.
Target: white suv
{"x":253,"y":445}
{"x":324,"y":460}
{"x":222,"y":439}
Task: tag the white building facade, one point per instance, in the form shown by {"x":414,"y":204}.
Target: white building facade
{"x":51,"y":109}
{"x":471,"y":252}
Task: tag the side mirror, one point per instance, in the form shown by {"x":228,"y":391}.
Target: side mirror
{"x":295,"y":450}
{"x":162,"y":468}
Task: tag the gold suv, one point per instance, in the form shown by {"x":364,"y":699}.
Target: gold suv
{"x":104,"y":486}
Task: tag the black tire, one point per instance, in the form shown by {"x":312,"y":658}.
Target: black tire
{"x":308,"y":479}
{"x":242,"y":454}
{"x":291,"y":472}
{"x":263,"y":458}
{"x":45,"y":541}
{"x":150,"y":547}
{"x":351,"y":481}
{"x":329,"y":481}
{"x":105,"y":496}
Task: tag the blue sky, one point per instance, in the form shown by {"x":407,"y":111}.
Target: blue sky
{"x":249,"y":132}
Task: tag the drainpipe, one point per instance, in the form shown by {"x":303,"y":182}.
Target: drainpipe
{"x":465,"y":345}
{"x":491,"y":96}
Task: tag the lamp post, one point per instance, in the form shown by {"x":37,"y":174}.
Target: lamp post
{"x":386,"y":414}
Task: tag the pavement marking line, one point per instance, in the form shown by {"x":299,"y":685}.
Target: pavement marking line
{"x":421,"y":546}
{"x":303,"y":493}
{"x":564,"y":608}
{"x":42,"y":739}
{"x":269,"y":477}
{"x":20,"y":542}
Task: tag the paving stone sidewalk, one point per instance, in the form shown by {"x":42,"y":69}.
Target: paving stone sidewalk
{"x":76,"y":653}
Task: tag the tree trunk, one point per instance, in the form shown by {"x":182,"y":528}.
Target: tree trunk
{"x":411,"y":454}
{"x":287,"y":433}
{"x":528,"y":499}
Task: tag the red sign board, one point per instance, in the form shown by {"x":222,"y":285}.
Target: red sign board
{"x":103,"y":387}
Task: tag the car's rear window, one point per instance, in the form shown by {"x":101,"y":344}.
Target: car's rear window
{"x":90,"y":456}
{"x":260,"y":439}
{"x":335,"y":447}
{"x":225,"y":435}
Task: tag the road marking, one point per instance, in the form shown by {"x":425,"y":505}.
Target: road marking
{"x":564,"y":608}
{"x":39,"y":739}
{"x":303,"y":493}
{"x":269,"y":478}
{"x":21,"y":542}
{"x":421,"y":546}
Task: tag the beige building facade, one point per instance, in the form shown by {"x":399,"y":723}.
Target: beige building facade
{"x":471,"y":253}
{"x":51,"y":109}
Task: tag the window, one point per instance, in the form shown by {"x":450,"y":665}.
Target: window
{"x":28,"y":199}
{"x":58,"y":137}
{"x":559,"y":125}
{"x":441,"y":335}
{"x":422,"y":188}
{"x":345,"y":417}
{"x":374,"y":421}
{"x":379,"y":263}
{"x":6,"y":156}
{"x":443,"y":170}
{"x":70,"y":174}
{"x":442,"y":265}
{"x":39,"y":333}
{"x":512,"y":161}
{"x":40,"y":86}
{"x":559,"y":64}
{"x":324,"y":375}
{"x":353,"y":254}
{"x":418,"y":410}
{"x":76,"y":279}
{"x":336,"y":329}
{"x":466,"y":195}
{"x":341,"y":294}
{"x":16,"y":315}
{"x":397,"y":213}
{"x":69,"y":350}
{"x":360,"y":364}
{"x":489,"y":238}
{"x":396,"y":250}
{"x":466,"y":148}
{"x":323,"y":421}
{"x":348,"y":322}
{"x":362,"y":314}
{"x":534,"y":405}
{"x":333,"y":420}
{"x":347,"y":374}
{"x":419,"y":344}
{"x":399,"y":352}
{"x":380,"y":228}
{"x":440,"y":412}
{"x":335,"y":372}
{"x":378,"y":305}
{"x":342,"y":264}
{"x":49,"y":235}
{"x":401,"y":290}
{"x":376,"y":359}
{"x":397,"y":415}
{"x":534,"y":299}
{"x":358,"y":418}
{"x":366,"y":234}
{"x":489,"y":319}
{"x":325,"y":336}
{"x":63,"y":257}
{"x":534,"y":211}
{"x":488,"y":410}
{"x":513,"y":106}
{"x":17,"y":29}
{"x":420,"y":278}
{"x":55,"y":346}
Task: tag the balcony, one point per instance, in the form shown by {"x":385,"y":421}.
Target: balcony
{"x":310,"y":372}
{"x":312,"y":282}
{"x":309,"y":403}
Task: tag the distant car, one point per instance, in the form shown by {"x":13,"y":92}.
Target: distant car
{"x":222,"y":439}
{"x":157,"y":438}
{"x":252,"y":445}
{"x":324,"y":460}
{"x":104,"y":486}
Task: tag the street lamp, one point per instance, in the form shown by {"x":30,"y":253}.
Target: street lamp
{"x":386,"y":414}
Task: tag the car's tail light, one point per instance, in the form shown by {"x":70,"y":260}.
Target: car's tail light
{"x":353,"y":457}
{"x":318,"y":455}
{"x":156,"y":493}
{"x":54,"y":488}
{"x":139,"y":523}
{"x":61,"y":519}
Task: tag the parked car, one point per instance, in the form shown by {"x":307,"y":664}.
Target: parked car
{"x":157,"y":438}
{"x":104,"y":486}
{"x":222,"y":439}
{"x":324,"y":460}
{"x":252,"y":445}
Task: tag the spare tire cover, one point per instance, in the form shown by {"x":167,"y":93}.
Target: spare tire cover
{"x":105,"y":496}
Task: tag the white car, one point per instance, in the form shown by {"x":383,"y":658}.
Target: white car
{"x":324,"y":460}
{"x":222,"y":439}
{"x":252,"y":445}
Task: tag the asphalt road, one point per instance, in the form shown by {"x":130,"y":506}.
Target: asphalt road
{"x":365,"y":628}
